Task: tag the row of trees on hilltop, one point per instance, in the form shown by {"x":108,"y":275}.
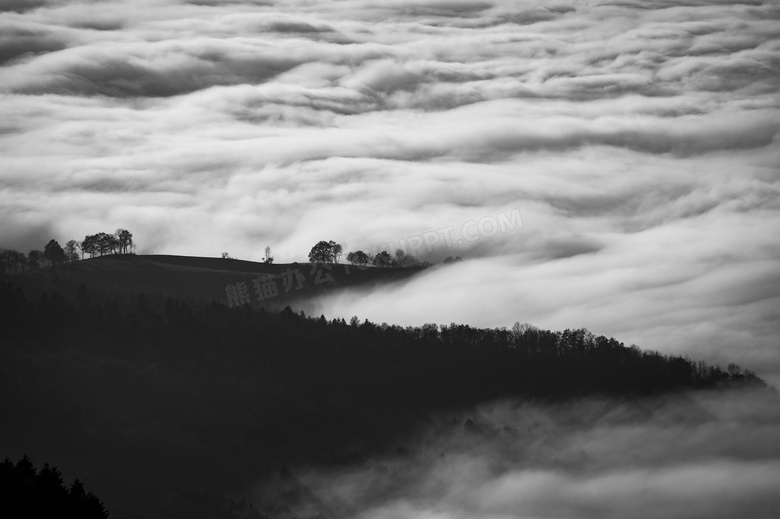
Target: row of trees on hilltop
{"x":268,"y":258}
{"x":120,"y":242}
{"x":384,"y":259}
{"x":330,"y":252}
{"x":100,"y":244}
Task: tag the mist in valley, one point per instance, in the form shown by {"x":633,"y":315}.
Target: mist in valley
{"x":711,"y":454}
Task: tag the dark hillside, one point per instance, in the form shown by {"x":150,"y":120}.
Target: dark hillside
{"x":176,"y":409}
{"x":210,"y":279}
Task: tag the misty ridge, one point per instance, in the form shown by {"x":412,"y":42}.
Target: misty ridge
{"x":180,"y":407}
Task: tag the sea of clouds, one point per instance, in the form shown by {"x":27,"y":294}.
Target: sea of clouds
{"x":638,"y":139}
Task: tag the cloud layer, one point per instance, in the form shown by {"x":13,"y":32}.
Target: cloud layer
{"x":638,"y":139}
{"x":703,"y":456}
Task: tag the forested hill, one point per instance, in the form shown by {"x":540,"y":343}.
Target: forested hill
{"x":464,"y":362}
{"x":230,"y":281}
{"x":147,"y":393}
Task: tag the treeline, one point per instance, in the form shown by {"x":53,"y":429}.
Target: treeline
{"x":120,"y":242}
{"x":27,"y":492}
{"x":53,"y":254}
{"x":330,"y":252}
{"x":383,"y":259}
{"x":434,"y":361}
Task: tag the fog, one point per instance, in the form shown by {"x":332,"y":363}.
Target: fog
{"x":708,"y":455}
{"x":650,"y":302}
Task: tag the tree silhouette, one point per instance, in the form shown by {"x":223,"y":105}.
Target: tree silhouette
{"x":54,"y":253}
{"x":89,"y":245}
{"x":27,"y":493}
{"x":125,"y":240}
{"x":102,"y":243}
{"x":358,"y":258}
{"x":12,"y":261}
{"x":322,"y":252}
{"x":72,"y":250}
{"x":337,"y":250}
{"x":268,"y":258}
{"x":402,"y":259}
{"x":383,"y":259}
{"x":113,"y":243}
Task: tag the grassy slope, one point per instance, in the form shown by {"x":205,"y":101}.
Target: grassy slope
{"x":206,"y":278}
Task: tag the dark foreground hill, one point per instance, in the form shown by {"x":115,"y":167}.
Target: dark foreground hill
{"x":211,"y":279}
{"x":168,"y":408}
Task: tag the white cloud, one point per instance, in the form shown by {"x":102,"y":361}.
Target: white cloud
{"x":587,"y":459}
